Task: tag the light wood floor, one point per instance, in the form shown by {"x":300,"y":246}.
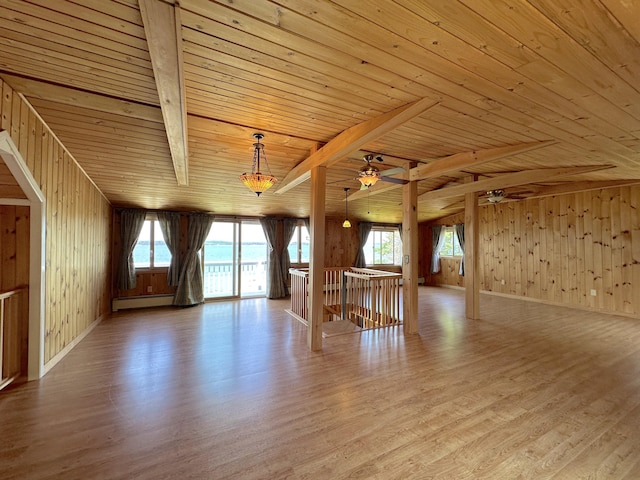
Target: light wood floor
{"x":229,"y":391}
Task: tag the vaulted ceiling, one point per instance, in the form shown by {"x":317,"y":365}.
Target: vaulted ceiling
{"x":158,"y":100}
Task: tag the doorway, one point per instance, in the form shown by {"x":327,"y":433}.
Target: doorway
{"x":35,"y":201}
{"x":234,"y":260}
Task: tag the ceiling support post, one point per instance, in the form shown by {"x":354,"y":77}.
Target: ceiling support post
{"x":316,"y":260}
{"x":410,"y":257}
{"x":471,"y":244}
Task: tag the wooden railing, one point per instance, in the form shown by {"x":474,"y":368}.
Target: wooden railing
{"x":13,"y":313}
{"x":369,"y":298}
{"x":372,"y":297}
{"x":299,"y":292}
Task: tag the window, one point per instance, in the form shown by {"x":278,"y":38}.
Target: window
{"x":151,"y":251}
{"x":299,"y":245}
{"x":451,"y":247}
{"x":383,"y":247}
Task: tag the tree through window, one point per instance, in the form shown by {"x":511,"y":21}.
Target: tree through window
{"x":383,"y":246}
{"x":451,"y":247}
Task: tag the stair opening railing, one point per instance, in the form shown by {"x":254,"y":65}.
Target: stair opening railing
{"x":372,"y":297}
{"x":369,"y":298}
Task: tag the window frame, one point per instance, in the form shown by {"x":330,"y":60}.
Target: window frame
{"x":457,"y":251}
{"x":153,"y":219}
{"x":384,"y":229}
{"x":297,"y":236}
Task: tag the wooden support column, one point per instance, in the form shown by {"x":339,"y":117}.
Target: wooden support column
{"x":471,"y":245}
{"x":316,"y":260}
{"x":410,"y":257}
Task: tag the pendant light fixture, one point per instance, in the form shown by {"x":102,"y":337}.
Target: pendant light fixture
{"x":257,"y":181}
{"x":346,"y":223}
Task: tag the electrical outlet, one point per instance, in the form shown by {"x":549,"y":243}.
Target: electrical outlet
{"x":593,"y":292}
{"x":502,"y":282}
{"x":149,"y":289}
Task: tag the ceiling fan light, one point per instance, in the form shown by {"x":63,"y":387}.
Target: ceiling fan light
{"x":368,"y":181}
{"x":256,"y":181}
{"x":495,"y":196}
{"x":368,"y":175}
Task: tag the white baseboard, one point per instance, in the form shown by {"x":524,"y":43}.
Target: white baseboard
{"x":141,"y":302}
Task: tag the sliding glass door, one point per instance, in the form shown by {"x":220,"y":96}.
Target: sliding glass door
{"x":254,"y":255}
{"x":234,"y":260}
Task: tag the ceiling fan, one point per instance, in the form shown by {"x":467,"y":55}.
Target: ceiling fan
{"x":369,"y":174}
{"x":494,"y":197}
{"x":498,"y":195}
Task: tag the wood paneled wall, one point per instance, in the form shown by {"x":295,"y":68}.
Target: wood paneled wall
{"x":563,"y":249}
{"x":341,"y":247}
{"x":78,"y":220}
{"x":14,"y":274}
{"x":14,"y":247}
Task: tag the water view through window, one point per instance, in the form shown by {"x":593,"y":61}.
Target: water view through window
{"x":235,"y":260}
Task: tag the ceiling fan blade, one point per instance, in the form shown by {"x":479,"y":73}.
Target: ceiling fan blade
{"x":392,"y":171}
{"x":399,"y":181}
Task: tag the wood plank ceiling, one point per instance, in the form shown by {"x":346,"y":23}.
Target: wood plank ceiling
{"x":499,"y":73}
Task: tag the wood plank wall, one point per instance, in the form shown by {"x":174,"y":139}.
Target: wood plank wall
{"x":78,"y":220}
{"x":14,"y":275}
{"x":341,"y":247}
{"x":14,"y":247}
{"x":558,"y":249}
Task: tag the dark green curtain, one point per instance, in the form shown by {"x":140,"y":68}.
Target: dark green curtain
{"x":276,"y":286}
{"x":190,"y":289}
{"x":364,"y":229}
{"x":170,"y":226}
{"x":131,"y":222}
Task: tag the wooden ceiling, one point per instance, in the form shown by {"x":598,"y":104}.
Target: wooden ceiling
{"x":486,"y":74}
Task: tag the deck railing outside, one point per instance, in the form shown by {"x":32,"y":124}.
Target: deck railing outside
{"x":219,"y":278}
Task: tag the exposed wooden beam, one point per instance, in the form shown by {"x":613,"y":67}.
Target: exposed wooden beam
{"x":70,"y":96}
{"x":456,"y":163}
{"x":540,"y":191}
{"x":509,"y":180}
{"x":162,"y":28}
{"x":584,"y":186}
{"x":352,"y":139}
{"x":462,"y":161}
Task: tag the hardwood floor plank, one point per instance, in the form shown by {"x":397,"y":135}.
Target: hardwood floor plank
{"x":230,"y":390}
